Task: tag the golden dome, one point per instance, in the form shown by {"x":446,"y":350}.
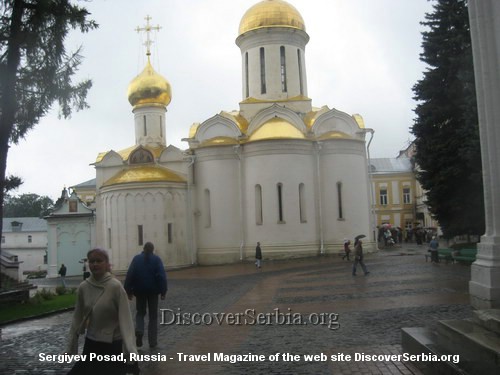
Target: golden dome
{"x":276,"y":128}
{"x":149,"y":88}
{"x":144,"y":173}
{"x":271,"y":13}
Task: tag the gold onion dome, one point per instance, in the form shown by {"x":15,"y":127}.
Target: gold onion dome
{"x":149,"y":87}
{"x":271,"y":13}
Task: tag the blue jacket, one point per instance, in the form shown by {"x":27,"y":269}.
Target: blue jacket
{"x":146,"y":275}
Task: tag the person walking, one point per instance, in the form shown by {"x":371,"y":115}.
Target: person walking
{"x":358,"y":258}
{"x":433,"y":248}
{"x":62,"y":272}
{"x":258,"y":256}
{"x":347,"y":249}
{"x":146,"y":279}
{"x":85,"y":272}
{"x":102,"y":310}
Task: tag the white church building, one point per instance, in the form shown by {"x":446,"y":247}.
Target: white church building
{"x":278,"y":170}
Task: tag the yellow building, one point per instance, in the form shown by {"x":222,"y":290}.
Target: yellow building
{"x":394,"y":189}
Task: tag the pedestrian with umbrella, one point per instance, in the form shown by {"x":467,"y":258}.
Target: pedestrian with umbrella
{"x":358,"y":255}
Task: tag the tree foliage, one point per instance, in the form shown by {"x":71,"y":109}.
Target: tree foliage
{"x":27,"y":205}
{"x":35,"y":69}
{"x":446,"y":128}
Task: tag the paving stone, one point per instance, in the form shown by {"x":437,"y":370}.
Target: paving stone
{"x":401,"y":291}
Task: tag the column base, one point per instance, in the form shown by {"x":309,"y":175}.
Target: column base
{"x":484,"y":286}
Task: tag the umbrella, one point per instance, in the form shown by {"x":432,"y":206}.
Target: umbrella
{"x":359,"y":236}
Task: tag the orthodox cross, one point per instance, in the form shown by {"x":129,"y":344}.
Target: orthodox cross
{"x":147,"y":29}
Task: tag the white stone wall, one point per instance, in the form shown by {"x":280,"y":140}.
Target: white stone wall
{"x":218,"y":224}
{"x":153,"y":207}
{"x":344,"y":161}
{"x":289,"y":163}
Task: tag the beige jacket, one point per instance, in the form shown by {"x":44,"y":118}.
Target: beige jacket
{"x":105,"y":305}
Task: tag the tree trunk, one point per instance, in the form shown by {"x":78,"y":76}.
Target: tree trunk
{"x":8,"y":103}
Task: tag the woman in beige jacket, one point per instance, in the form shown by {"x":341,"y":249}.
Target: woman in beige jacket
{"x":102,"y":310}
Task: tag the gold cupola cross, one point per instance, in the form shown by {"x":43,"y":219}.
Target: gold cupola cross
{"x":147,"y":29}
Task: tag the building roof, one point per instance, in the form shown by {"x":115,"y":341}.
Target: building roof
{"x":390,"y":165}
{"x":87,"y":184}
{"x":29,"y":224}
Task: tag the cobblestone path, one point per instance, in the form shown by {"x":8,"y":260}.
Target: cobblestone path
{"x":343,"y":315}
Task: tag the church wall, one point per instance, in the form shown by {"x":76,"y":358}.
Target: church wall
{"x":153,"y":208}
{"x":217,"y":213}
{"x":290,"y":164}
{"x":344,"y":162}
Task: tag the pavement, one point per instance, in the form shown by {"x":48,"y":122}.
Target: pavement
{"x":266,"y":321}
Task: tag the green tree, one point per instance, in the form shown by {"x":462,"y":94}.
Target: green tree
{"x":27,"y":205}
{"x":35,"y":69}
{"x":446,"y":128}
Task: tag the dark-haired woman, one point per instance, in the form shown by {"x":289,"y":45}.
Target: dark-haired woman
{"x":102,"y":311}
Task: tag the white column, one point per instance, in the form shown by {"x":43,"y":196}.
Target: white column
{"x":484,"y":17}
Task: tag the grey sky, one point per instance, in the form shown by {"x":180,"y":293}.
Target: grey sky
{"x":363,"y":57}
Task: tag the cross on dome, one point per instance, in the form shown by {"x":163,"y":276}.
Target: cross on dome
{"x":147,"y":29}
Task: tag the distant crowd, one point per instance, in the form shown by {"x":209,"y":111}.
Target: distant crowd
{"x":389,"y":235}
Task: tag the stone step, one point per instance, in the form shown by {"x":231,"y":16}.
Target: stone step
{"x":489,"y":319}
{"x":478,"y":347}
{"x":422,"y":340}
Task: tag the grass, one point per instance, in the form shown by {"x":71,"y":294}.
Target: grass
{"x":35,"y":308}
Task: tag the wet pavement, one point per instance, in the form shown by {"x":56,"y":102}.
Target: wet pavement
{"x":275,"y":316}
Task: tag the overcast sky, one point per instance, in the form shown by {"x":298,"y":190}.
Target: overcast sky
{"x":362,"y":57}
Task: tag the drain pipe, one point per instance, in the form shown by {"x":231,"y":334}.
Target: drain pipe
{"x":320,"y":203}
{"x":237,"y":151}
{"x":372,"y":204}
{"x":191,"y":236}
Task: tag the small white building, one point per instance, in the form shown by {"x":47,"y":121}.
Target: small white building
{"x":26,"y":239}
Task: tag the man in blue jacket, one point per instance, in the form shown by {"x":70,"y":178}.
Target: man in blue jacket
{"x":146,"y":279}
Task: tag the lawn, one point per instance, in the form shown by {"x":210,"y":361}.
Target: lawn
{"x":32,"y":309}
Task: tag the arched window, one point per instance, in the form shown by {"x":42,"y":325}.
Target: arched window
{"x":161,"y":126}
{"x":302,"y":203}
{"x":283,"y":69}
{"x":281,"y":219}
{"x":262,"y":71}
{"x":258,"y":205}
{"x":208,"y":213}
{"x":299,"y":58}
{"x":247,"y":88}
{"x":145,"y":127}
{"x":339,"y":199}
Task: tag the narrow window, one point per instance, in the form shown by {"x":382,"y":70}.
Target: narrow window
{"x":169,"y":233}
{"x":280,"y":203}
{"x":247,"y":89}
{"x":161,"y":126}
{"x":299,"y":58}
{"x":3,"y":239}
{"x":140,"y":235}
{"x":302,"y":203}
{"x":283,"y":68}
{"x":262,"y":71}
{"x":383,"y":197}
{"x":145,"y":129}
{"x":30,"y":239}
{"x":339,"y":199}
{"x":109,"y":238}
{"x":406,"y":195}
{"x":258,"y":205}
{"x":208,"y":214}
